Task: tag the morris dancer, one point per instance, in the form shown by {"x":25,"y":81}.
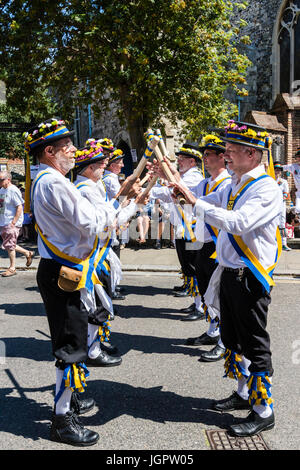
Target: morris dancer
{"x":246,"y":213}
{"x":284,"y":187}
{"x":67,"y":236}
{"x":112,"y":185}
{"x":213,"y":150}
{"x":294,"y":168}
{"x":89,"y":167}
{"x":188,"y":159}
{"x":68,"y":228}
{"x":90,"y":164}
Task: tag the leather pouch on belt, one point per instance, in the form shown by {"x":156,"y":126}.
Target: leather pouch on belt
{"x":68,"y":279}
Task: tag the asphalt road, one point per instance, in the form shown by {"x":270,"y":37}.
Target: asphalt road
{"x":160,"y":397}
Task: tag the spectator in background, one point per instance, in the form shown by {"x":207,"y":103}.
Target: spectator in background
{"x":11,"y":220}
{"x":284,"y":187}
{"x":143,"y":222}
{"x":25,"y":233}
{"x":294,"y":168}
{"x":292,"y":221}
{"x":163,"y":217}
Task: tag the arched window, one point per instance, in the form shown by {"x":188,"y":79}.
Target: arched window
{"x":289,"y":47}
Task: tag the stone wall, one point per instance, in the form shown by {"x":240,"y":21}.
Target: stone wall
{"x":261,"y":16}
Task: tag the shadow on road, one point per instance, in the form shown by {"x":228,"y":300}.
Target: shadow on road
{"x":152,"y":344}
{"x":28,"y":348}
{"x":25,"y":309}
{"x":23,"y":416}
{"x":140,"y":311}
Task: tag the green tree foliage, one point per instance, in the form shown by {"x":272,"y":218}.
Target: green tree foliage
{"x":12,"y":143}
{"x":155,"y":58}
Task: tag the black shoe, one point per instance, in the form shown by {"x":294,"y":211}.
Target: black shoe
{"x":252,"y":425}
{"x":189,"y":309}
{"x":104,"y":360}
{"x":157,"y":245}
{"x":182,"y":293}
{"x":178,"y":288}
{"x":214,"y":355}
{"x":203,"y":340}
{"x":234,"y":402}
{"x":119,"y":289}
{"x":196,"y":315}
{"x":118,"y":296}
{"x":81,"y":407}
{"x":107,"y":347}
{"x":68,"y":430}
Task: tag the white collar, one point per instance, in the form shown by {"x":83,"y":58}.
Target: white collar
{"x":222,"y":175}
{"x":255,"y":173}
{"x":81,"y":179}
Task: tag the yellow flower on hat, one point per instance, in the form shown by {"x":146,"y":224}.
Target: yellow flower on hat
{"x":211,"y":138}
{"x":251,"y":133}
{"x":118,"y":152}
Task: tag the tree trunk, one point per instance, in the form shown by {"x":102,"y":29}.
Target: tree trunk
{"x":136,"y":125}
{"x":136,"y":131}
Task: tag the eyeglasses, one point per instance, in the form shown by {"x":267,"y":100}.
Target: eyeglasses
{"x":66,"y":146}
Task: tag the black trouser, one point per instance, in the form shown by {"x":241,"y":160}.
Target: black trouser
{"x":204,"y":266}
{"x":117,"y":248}
{"x":186,"y":257}
{"x":244,"y":308}
{"x":67,"y":316}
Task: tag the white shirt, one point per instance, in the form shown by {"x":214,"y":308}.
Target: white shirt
{"x":294,"y":168}
{"x":199,"y":192}
{"x":283,"y":186}
{"x":191,"y":179}
{"x":95,"y":193}
{"x":112,"y":184}
{"x":91,"y":191}
{"x":255,"y":218}
{"x":10,"y":199}
{"x":68,"y":220}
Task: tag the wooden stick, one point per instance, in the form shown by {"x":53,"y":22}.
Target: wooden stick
{"x":145,"y":179}
{"x":164,"y":166}
{"x":169,"y":175}
{"x":162,"y":144}
{"x":152,"y":144}
{"x":150,"y":185}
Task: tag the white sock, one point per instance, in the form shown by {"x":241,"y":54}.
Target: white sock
{"x":263,"y":411}
{"x":198,"y":303}
{"x":242,"y":390}
{"x":213,"y":330}
{"x":220,"y":343}
{"x":93,"y":349}
{"x":63,"y":405}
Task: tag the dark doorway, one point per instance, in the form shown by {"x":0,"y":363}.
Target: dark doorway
{"x":128,"y":165}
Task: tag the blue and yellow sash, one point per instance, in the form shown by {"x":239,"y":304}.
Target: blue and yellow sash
{"x":263,"y":275}
{"x":86,"y":266}
{"x":212,"y":230}
{"x":187,"y":230}
{"x":106,"y":197}
{"x":90,"y":267}
{"x":100,"y":263}
{"x":82,"y":184}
